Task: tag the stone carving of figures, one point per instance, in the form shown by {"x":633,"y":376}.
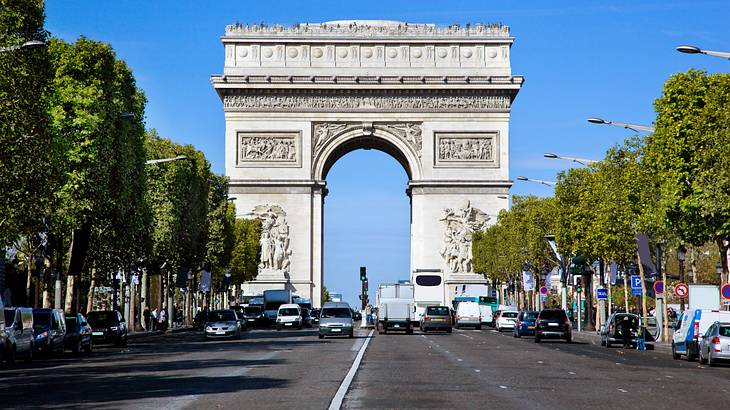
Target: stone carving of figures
{"x":275,"y":252}
{"x":268,"y":148}
{"x":460,"y":226}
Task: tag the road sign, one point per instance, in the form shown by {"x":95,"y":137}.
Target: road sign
{"x":659,"y":287}
{"x":543,"y":290}
{"x":725,"y":291}
{"x":681,"y":290}
{"x":635,"y":285}
{"x":602,"y":294}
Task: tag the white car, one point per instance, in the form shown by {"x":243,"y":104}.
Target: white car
{"x":507,"y":320}
{"x":289,"y":315}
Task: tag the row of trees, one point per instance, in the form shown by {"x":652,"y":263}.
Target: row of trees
{"x":672,"y":186}
{"x":79,"y":202}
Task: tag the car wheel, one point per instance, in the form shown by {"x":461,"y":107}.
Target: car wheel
{"x":351,"y":335}
{"x":409,"y":331}
{"x":479,"y":327}
{"x":320,"y":336}
{"x":11,"y":355}
{"x":448,"y":330}
{"x":690,"y":357}
{"x":701,"y":358}
{"x":569,"y":339}
{"x":278,"y":328}
{"x":78,"y":348}
{"x":537,"y":339}
{"x":29,"y":356}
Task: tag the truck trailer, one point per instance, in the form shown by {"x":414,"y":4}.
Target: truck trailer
{"x":395,"y":307}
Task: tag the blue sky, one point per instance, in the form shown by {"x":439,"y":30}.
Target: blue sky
{"x":580,"y":59}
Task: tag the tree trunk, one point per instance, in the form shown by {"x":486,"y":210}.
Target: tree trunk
{"x":90,"y":296}
{"x":722,"y":245}
{"x":644,"y":311}
{"x":626,"y":291}
{"x":588,"y":290}
{"x":70,"y":282}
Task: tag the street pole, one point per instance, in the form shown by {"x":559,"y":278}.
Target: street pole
{"x":681,"y":280}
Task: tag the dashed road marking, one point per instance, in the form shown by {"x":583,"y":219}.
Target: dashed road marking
{"x":623,"y":391}
{"x":502,"y":387}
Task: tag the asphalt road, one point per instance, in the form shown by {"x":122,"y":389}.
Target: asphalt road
{"x":294,"y":369}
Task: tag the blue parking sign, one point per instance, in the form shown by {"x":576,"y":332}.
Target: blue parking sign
{"x":602,"y":294}
{"x":636,"y":285}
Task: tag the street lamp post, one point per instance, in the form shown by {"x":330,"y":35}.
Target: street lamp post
{"x":696,"y":50}
{"x":539,"y":181}
{"x":582,"y":161}
{"x":633,"y":127}
{"x":681,"y":256}
{"x":161,"y":160}
{"x":28,"y":45}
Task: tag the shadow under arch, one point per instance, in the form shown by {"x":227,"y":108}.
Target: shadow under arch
{"x":360,"y":137}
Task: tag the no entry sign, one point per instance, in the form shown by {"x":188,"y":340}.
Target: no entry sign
{"x":681,"y":290}
{"x":725,"y":291}
{"x":659,"y":287}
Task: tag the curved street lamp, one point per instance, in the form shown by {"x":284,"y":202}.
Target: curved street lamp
{"x":582,"y":161}
{"x":633,"y":127}
{"x":539,"y":181}
{"x":696,"y":50}
{"x":25,"y":46}
{"x":161,"y":160}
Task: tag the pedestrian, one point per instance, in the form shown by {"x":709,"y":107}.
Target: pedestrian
{"x":155,"y":317}
{"x":162,"y":321}
{"x":147,"y":315}
{"x":626,"y":332}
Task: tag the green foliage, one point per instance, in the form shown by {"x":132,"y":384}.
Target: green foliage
{"x":221,"y":226}
{"x":28,"y":159}
{"x":246,"y":250}
{"x":177,"y":192}
{"x":326,"y":295}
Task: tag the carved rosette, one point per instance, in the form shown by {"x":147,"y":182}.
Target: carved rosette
{"x":408,"y":132}
{"x":461,"y":224}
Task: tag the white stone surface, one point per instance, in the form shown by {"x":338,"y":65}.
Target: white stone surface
{"x":326,"y":89}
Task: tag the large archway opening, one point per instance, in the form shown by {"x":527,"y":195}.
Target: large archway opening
{"x":367,"y":217}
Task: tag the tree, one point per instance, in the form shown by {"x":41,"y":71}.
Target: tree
{"x":246,"y":250}
{"x":688,"y":152}
{"x":28,"y":161}
{"x":221,"y":227}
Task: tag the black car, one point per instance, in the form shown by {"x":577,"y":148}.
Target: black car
{"x":49,"y":330}
{"x":254,"y":315}
{"x":306,"y":318}
{"x":108,"y":327}
{"x":315,"y":315}
{"x":200,"y":318}
{"x":78,"y":334}
{"x":552,"y":324}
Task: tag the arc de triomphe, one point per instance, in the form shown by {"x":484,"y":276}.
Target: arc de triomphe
{"x":437,"y":99}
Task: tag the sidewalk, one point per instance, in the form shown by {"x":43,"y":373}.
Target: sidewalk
{"x":594,"y":338}
{"x":143,"y":333}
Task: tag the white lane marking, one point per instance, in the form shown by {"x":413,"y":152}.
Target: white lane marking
{"x":571,"y":372}
{"x":539,"y":361}
{"x":345,"y":385}
{"x":623,"y":391}
{"x":502,"y":387}
{"x":477,"y":370}
{"x":461,"y":360}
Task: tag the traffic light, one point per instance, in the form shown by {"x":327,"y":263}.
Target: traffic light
{"x":365,"y":285}
{"x":363,"y":274}
{"x":579,"y":285}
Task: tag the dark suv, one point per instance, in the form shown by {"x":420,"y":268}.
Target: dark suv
{"x":108,"y":327}
{"x":552,"y":324}
{"x":49,"y":330}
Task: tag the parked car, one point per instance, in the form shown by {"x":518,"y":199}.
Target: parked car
{"x":552,"y":324}
{"x":436,"y":318}
{"x":495,"y":315}
{"x":3,"y":335}
{"x":78,"y":334}
{"x":356,"y":315}
{"x":108,"y":326}
{"x":335,"y":319}
{"x":49,"y":330}
{"x":467,"y":314}
{"x":507,"y":320}
{"x":200,"y":319}
{"x":306,"y":318}
{"x":19,"y":333}
{"x":525,"y":324}
{"x":289,"y":315}
{"x":715,"y":344}
{"x":690,"y":327}
{"x":222,"y":323}
{"x":254,"y":315}
{"x":611,"y":330}
{"x":315,"y":315}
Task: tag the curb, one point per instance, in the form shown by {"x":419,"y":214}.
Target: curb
{"x":596,"y":340}
{"x":137,"y":335}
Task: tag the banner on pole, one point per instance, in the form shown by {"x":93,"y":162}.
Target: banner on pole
{"x":527,"y":280}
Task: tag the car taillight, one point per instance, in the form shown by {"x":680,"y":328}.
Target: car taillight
{"x":610,"y":328}
{"x":716,"y":342}
{"x":519,"y":323}
{"x":697,"y":329}
{"x":426,"y":318}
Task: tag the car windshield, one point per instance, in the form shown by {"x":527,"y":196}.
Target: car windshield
{"x":252,"y":310}
{"x":222,"y":316}
{"x":530,"y":316}
{"x":437,"y":311}
{"x":9,"y":317}
{"x":552,"y":314}
{"x":336,"y":313}
{"x":41,"y":320}
{"x":510,"y":314}
{"x":289,"y":312}
{"x":724,"y":331}
{"x":101,"y":319}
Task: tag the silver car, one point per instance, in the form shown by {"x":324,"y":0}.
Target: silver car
{"x":335,"y":319}
{"x":715,"y":344}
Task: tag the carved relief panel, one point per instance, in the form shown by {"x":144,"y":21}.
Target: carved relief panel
{"x":466,"y":149}
{"x":276,"y":149}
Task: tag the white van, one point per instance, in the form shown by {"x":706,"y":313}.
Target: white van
{"x":485,"y":311}
{"x":690,"y":327}
{"x":467,"y":314}
{"x":289,"y":315}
